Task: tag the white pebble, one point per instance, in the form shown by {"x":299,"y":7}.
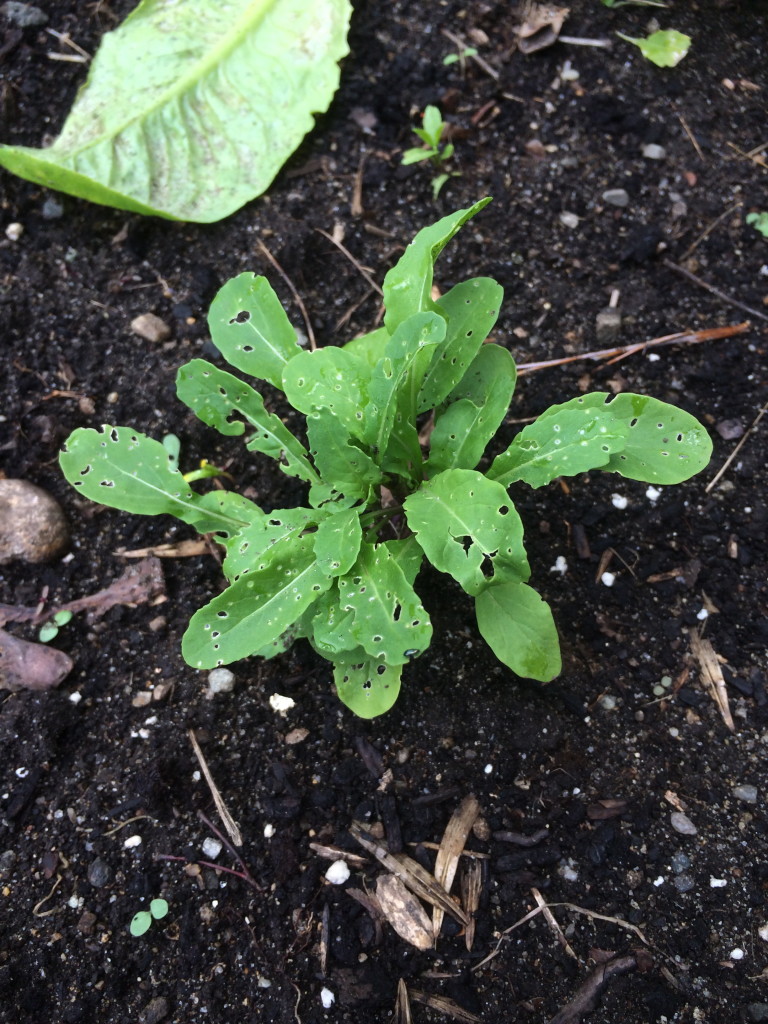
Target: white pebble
{"x":568,"y":73}
{"x":619,"y":501}
{"x":327,"y":998}
{"x":653,"y":494}
{"x":717,"y":883}
{"x":77,"y":901}
{"x":569,"y":220}
{"x":560,"y":565}
{"x":211,"y":848}
{"x":280,"y":703}
{"x":269,"y":831}
{"x":14,"y":232}
{"x":608,"y":579}
{"x":762,"y":931}
{"x":221,"y":680}
{"x":653,"y":357}
{"x":703,"y":614}
{"x":737,"y":954}
{"x":654,"y":152}
{"x":132,"y":842}
{"x":338,"y":872}
{"x":488,"y":769}
{"x":659,"y":881}
{"x":75,"y":697}
{"x":567,"y":870}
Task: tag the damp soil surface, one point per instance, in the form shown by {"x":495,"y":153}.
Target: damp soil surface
{"x":618,"y":794}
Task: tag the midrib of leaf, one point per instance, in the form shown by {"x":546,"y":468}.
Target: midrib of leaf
{"x":236,"y":37}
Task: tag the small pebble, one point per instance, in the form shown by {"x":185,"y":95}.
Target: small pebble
{"x":221,"y":680}
{"x":7,"y":861}
{"x":717,"y":883}
{"x":762,"y":931}
{"x":14,"y":232}
{"x":608,"y":579}
{"x":23,"y":15}
{"x":296,"y":736}
{"x":619,"y":501}
{"x":608,"y":702}
{"x":737,"y":954}
{"x":52,"y":209}
{"x":560,"y":565}
{"x":156,"y":1010}
{"x":132,"y":842}
{"x":99,"y":873}
{"x":680,"y":862}
{"x":748,"y":794}
{"x":32,"y":524}
{"x":729,"y":430}
{"x":338,"y":872}
{"x":616,"y":197}
{"x":327,"y":998}
{"x":211,"y":848}
{"x":608,"y":326}
{"x":269,"y":831}
{"x":150,"y":327}
{"x":653,"y":494}
{"x":757,"y":1012}
{"x":683,"y":883}
{"x":281,"y":704}
{"x":702,"y":614}
{"x":682,"y":823}
{"x":569,"y":220}
{"x":654,"y":152}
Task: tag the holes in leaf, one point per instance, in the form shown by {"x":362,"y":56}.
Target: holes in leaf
{"x":381,"y":669}
{"x":215,"y":634}
{"x":633,"y":422}
{"x":679,"y":437}
{"x":367,"y":684}
{"x":242,"y":317}
{"x":503,"y":510}
{"x":222,"y":615}
{"x":397,"y":611}
{"x":106,"y":483}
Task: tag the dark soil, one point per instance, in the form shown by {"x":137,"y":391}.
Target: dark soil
{"x":80,"y":778}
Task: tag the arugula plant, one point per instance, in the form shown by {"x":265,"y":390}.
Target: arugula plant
{"x":665,"y":48}
{"x":437,"y":152}
{"x":340,"y":570}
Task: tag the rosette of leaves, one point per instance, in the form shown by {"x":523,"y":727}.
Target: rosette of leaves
{"x":383,"y":492}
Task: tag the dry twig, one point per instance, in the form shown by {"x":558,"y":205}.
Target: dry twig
{"x":736,"y":450}
{"x":294,"y":292}
{"x":221,"y":807}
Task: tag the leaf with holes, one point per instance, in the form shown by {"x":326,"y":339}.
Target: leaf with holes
{"x":227,"y":403}
{"x":345,"y":467}
{"x":469,"y":528}
{"x":471,"y":309}
{"x":272,"y":535}
{"x":518,"y":627}
{"x":368,"y":686}
{"x":255,"y":610}
{"x":338,"y":540}
{"x":191,"y":108}
{"x":127,"y":470}
{"x":389,"y":620}
{"x":408,"y":285}
{"x":634,"y":435}
{"x":251,"y":329}
{"x":330,"y":379}
{"x":473,"y":412}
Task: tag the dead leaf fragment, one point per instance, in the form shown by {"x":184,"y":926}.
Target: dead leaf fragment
{"x":404,"y":912}
{"x":29,"y":666}
{"x":711,"y":675}
{"x":541,"y":27}
{"x":456,"y":832}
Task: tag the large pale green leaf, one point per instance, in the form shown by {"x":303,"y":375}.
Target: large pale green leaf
{"x":256,"y":610}
{"x":250,"y":328}
{"x":634,"y":435}
{"x":408,"y":285}
{"x":477,"y":405}
{"x":389,"y":619}
{"x":329,"y":378}
{"x":343,"y":466}
{"x":127,"y":470}
{"x":275,"y":535}
{"x":337,"y":541}
{"x":471,"y":309}
{"x":368,"y":686}
{"x":191,"y":108}
{"x":469,"y":528}
{"x":227,"y":403}
{"x":518,"y":627}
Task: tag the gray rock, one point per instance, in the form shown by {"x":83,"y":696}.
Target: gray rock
{"x":654,"y":152}
{"x":607,"y":326}
{"x":32,"y":524}
{"x":683,"y":883}
{"x":52,"y":209}
{"x":99,"y":873}
{"x":757,"y":1011}
{"x":23,"y":15}
{"x":682,"y":823}
{"x":729,"y":430}
{"x":155,"y":1011}
{"x":680,"y":862}
{"x":616,"y":197}
{"x":748,"y":794}
{"x":7,"y":861}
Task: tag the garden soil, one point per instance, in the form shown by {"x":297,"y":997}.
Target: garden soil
{"x":618,"y":795}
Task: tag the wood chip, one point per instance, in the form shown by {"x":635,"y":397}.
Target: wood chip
{"x":451,"y":846}
{"x":711,"y":675}
{"x":445,"y":1006}
{"x":471,"y":888}
{"x":404,"y":912}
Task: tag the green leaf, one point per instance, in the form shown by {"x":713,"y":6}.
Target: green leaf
{"x":333,"y":379}
{"x":469,"y":528}
{"x":408,"y":555}
{"x":337,"y":541}
{"x":220,"y":399}
{"x":471,"y":309}
{"x":518,"y":627}
{"x":126,"y":470}
{"x":190,"y":109}
{"x":250,"y":328}
{"x":369,"y":347}
{"x":478,"y":404}
{"x":274,"y":535}
{"x":368,"y":686}
{"x":391,"y":414}
{"x":345,"y":467}
{"x":140,"y":923}
{"x":408,"y":285}
{"x":665,"y":48}
{"x":389,"y":620}
{"x":256,"y":610}
{"x":416,"y":156}
{"x":49,"y":631}
{"x":759,"y":222}
{"x":636,"y":436}
{"x":330,"y":630}
{"x":158,"y":909}
{"x":433,"y":124}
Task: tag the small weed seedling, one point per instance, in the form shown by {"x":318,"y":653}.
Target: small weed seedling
{"x":50,"y":630}
{"x":759,"y":222}
{"x":665,"y":48}
{"x":340,"y":570}
{"x":141,"y":922}
{"x":433,"y":150}
{"x":460,"y":57}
